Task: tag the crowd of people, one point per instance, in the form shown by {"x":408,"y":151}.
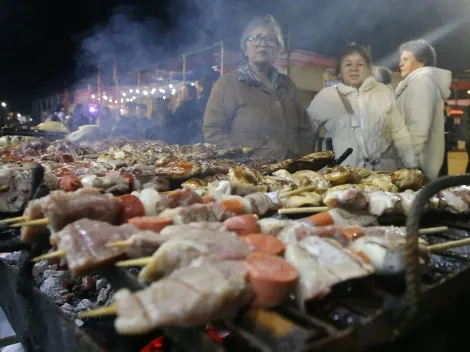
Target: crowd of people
{"x":257,"y":106}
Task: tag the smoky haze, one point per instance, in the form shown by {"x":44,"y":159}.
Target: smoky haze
{"x":138,"y":41}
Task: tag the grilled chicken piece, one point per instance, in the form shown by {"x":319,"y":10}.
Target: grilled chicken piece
{"x":305,"y":178}
{"x":244,"y":181}
{"x":178,"y":253}
{"x":278,"y":184}
{"x":346,"y":196}
{"x":191,"y":296}
{"x":384,"y":182}
{"x":408,"y":179}
{"x":197,"y":213}
{"x":195,"y":184}
{"x":304,"y":199}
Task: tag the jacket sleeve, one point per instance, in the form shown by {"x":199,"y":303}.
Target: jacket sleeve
{"x":419,"y":112}
{"x":400,"y":137}
{"x":316,"y":115}
{"x":218,"y":117}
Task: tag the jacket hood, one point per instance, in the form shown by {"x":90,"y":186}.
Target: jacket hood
{"x":440,"y":77}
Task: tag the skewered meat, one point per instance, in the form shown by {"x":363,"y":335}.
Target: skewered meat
{"x":197,"y":213}
{"x":305,"y":178}
{"x":278,"y":184}
{"x":244,"y":181}
{"x":195,"y":184}
{"x":62,"y":208}
{"x":177,"y":253}
{"x":190,"y":296}
{"x":272,"y":226}
{"x":83,"y":242}
{"x":408,"y":179}
{"x":381,"y":203}
{"x":261,"y":203}
{"x":346,"y":196}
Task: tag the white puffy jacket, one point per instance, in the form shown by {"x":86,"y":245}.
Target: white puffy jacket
{"x":420,"y":98}
{"x":380,"y":125}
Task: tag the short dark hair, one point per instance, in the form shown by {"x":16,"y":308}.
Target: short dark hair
{"x":422,"y":50}
{"x":355,"y":47}
{"x":206,"y":83}
{"x":383,"y":74}
{"x":191,"y":90}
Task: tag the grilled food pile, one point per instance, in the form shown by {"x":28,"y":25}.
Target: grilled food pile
{"x":208,"y":249}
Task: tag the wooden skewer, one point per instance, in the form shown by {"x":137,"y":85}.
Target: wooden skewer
{"x":117,"y":244}
{"x":10,"y":220}
{"x":302,"y":210}
{"x":450,"y":244}
{"x":296,"y":191}
{"x":135,"y":262}
{"x":431,"y":230}
{"x":99,"y":312}
{"x":36,"y":222}
{"x":53,"y":255}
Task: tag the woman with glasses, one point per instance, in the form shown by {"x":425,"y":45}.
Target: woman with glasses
{"x":361,"y":113}
{"x":256,"y":105}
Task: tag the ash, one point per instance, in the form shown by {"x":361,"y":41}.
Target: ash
{"x":73,"y":293}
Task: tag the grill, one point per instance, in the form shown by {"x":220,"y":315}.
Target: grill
{"x":357,"y":314}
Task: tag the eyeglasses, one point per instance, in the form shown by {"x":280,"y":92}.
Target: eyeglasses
{"x":269,"y":40}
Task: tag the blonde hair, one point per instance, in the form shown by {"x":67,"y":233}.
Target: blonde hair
{"x":267,"y":21}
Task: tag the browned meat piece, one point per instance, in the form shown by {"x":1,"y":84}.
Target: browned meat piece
{"x":145,"y":243}
{"x":62,"y":208}
{"x":197,"y":213}
{"x":83,"y":242}
{"x":261,"y":204}
{"x":314,"y":162}
{"x":181,"y":252}
{"x":191,"y":296}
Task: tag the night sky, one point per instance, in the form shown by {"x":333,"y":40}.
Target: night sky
{"x":48,"y":46}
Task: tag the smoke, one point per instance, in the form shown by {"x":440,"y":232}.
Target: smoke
{"x":133,"y":41}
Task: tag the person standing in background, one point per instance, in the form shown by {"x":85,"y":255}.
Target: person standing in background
{"x":178,"y":127}
{"x":420,"y":98}
{"x":466,"y":132}
{"x":449,"y":139}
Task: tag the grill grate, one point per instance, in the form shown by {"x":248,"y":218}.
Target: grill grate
{"x":356,"y":315}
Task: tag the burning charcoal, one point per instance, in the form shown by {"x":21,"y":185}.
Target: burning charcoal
{"x":12,"y":257}
{"x":56,"y":273}
{"x":63,"y":297}
{"x":104,"y":295}
{"x":85,"y":304}
{"x":53,"y":285}
{"x":101,"y":284}
{"x":67,"y":309}
{"x":38,"y":271}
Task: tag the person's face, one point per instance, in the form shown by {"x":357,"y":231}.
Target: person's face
{"x":184,"y":93}
{"x":354,"y":70}
{"x":408,"y":63}
{"x":261,"y":46}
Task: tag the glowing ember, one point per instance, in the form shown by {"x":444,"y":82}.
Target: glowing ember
{"x":155,"y":345}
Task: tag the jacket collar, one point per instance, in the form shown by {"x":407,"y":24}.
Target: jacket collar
{"x":368,"y":84}
{"x":246,"y":74}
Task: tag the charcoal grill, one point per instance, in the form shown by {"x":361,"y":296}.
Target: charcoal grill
{"x":357,"y":315}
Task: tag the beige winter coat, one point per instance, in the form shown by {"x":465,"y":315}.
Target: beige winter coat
{"x":420,"y":98}
{"x":378,"y":126}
